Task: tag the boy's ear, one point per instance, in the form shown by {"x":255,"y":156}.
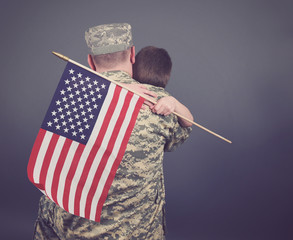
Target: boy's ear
{"x":132,"y":55}
{"x":91,"y":62}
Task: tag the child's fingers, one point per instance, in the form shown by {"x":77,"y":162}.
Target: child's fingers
{"x":163,"y":108}
{"x":159,"y":108}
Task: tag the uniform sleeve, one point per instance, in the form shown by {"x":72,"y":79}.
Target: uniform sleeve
{"x":177,"y":136}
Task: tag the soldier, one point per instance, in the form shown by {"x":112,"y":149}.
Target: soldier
{"x":134,"y":208}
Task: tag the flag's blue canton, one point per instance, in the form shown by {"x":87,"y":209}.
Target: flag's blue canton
{"x":76,"y":104}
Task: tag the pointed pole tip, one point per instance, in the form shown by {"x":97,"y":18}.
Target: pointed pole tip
{"x":60,"y":56}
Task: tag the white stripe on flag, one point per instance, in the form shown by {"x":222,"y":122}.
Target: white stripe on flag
{"x":64,"y":172}
{"x":89,"y":146}
{"x":52,"y":166}
{"x":41,"y":156}
{"x":101,"y":151}
{"x":113,"y":156}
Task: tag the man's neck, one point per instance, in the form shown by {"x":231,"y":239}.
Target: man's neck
{"x":124,"y":68}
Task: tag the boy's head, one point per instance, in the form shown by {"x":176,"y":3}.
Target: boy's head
{"x":152,"y":66}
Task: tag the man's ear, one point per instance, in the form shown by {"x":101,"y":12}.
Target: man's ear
{"x":132,"y":55}
{"x":91,"y":62}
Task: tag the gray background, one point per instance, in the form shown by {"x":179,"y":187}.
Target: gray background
{"x":233,"y":68}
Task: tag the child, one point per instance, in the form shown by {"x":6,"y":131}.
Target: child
{"x":153,"y":66}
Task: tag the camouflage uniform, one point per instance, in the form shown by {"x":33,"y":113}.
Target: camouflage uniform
{"x":134,"y":208}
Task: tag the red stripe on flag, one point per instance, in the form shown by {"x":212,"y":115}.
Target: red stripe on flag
{"x":95,"y":149}
{"x":70,"y":175}
{"x":58,"y":168}
{"x":33,"y":158}
{"x":107,"y":154}
{"x":118,"y":159}
{"x":47,"y":158}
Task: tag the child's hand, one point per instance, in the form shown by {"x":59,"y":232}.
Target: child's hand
{"x":169,"y":104}
{"x":165,"y":106}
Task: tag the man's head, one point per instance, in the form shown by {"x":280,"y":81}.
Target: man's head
{"x":152,"y":66}
{"x":111,"y":47}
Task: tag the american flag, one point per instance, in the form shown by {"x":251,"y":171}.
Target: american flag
{"x":82,"y":141}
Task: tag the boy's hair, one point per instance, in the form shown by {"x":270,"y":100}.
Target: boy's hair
{"x":152,"y":66}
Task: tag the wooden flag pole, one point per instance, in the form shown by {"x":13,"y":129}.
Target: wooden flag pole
{"x":137,"y":93}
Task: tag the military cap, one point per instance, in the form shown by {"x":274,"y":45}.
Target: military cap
{"x":109,"y":38}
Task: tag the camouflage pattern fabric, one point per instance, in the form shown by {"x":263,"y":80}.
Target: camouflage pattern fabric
{"x":109,"y":38}
{"x":134,"y":208}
